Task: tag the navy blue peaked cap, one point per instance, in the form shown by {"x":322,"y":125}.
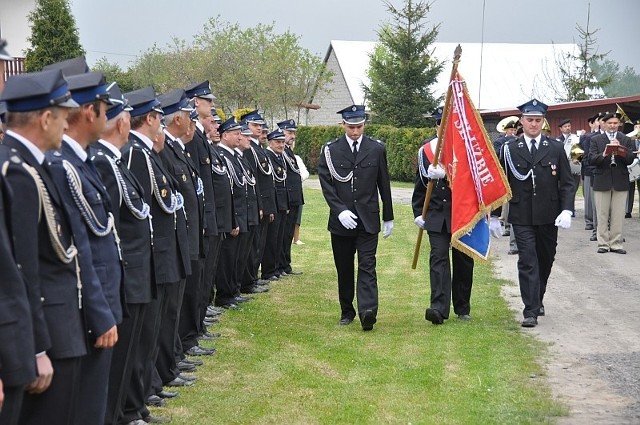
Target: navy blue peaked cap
{"x":37,"y":90}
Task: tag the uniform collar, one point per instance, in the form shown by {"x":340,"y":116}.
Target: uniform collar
{"x":115,"y":151}
{"x":75,"y":147}
{"x":37,"y":153}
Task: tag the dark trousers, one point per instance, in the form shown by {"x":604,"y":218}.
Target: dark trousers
{"x":124,"y":355}
{"x":10,"y":412}
{"x":273,"y":247}
{"x":445,"y":284}
{"x":210,"y":268}
{"x":258,"y":246}
{"x":630,"y":197}
{"x":287,"y":239}
{"x":226,"y":274}
{"x":189,"y":322}
{"x":146,"y":357}
{"x":91,"y":403}
{"x":55,"y":406}
{"x":366,"y":286}
{"x":536,"y":252}
{"x":245,"y":251}
{"x":166,"y":359}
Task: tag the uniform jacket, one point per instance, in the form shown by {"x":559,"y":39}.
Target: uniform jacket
{"x":200,"y":152}
{"x":280,"y":187}
{"x":222,"y":187}
{"x":585,"y":144}
{"x":294,"y":179}
{"x":135,"y":233}
{"x":439,"y":209}
{"x":239,"y":191}
{"x":606,"y":177}
{"x":253,"y":195}
{"x":360,"y":194}
{"x":256,"y":157}
{"x":168,"y":261}
{"x":100,"y":266}
{"x":186,"y":175}
{"x":52,"y":285}
{"x":17,"y":366}
{"x":553,"y":182}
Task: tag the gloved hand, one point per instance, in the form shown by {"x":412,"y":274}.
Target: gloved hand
{"x":563,"y":220}
{"x":419,"y":221}
{"x":495,"y":227}
{"x":435,"y":172}
{"x":348,"y":219}
{"x":387,"y":229}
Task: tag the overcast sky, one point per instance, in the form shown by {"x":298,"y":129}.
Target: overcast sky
{"x":121,"y":29}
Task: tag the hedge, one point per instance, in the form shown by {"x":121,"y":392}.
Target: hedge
{"x":402,"y":146}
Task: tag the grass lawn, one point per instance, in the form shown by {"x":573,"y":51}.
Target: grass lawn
{"x":283,"y":358}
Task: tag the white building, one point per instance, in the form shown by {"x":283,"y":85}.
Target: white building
{"x":498,"y":75}
{"x":14,"y":26}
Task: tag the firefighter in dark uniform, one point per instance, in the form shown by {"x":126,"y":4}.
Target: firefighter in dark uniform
{"x":45,"y":251}
{"x":353,"y":173}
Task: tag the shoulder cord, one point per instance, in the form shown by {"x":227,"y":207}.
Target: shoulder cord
{"x":269,"y":168}
{"x":87,"y":213}
{"x":422,"y":170}
{"x":140,"y":214}
{"x":219,"y":170}
{"x":66,"y":255}
{"x":275,"y":175}
{"x":516,"y":174}
{"x":332,"y":170}
{"x":251,"y":180}
{"x":233,"y":174}
{"x":176,"y":198}
{"x":292,"y":163}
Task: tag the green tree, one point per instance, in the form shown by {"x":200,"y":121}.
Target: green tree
{"x":402,"y":68}
{"x":623,"y":83}
{"x":113,"y":72}
{"x":54,"y":35}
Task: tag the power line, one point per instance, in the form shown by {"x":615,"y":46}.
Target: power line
{"x":112,"y":53}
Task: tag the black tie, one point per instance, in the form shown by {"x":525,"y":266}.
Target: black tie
{"x":355,"y":148}
{"x":533,"y":148}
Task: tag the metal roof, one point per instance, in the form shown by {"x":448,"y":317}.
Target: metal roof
{"x":511,"y":73}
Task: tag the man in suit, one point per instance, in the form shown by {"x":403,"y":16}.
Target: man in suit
{"x":260,"y":166}
{"x":294,"y":191}
{"x":89,"y":207}
{"x":141,"y":156}
{"x":226,"y":277}
{"x":443,"y":282}
{"x":587,"y":174}
{"x":569,"y":140}
{"x":353,"y":173}
{"x":275,"y":232}
{"x":611,"y":182}
{"x":38,"y":105}
{"x":542,"y":185}
{"x":133,"y":224}
{"x":17,"y":365}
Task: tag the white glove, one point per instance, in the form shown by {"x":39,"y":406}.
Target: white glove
{"x":387,"y":228}
{"x":563,"y":220}
{"x":435,"y":172}
{"x":419,"y":221}
{"x":348,"y":219}
{"x":495,"y":227}
{"x":635,"y":161}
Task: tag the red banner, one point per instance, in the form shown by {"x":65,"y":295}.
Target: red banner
{"x":478,"y":183}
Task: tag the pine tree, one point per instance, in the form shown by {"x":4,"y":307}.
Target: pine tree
{"x":402,"y":68}
{"x":54,"y":35}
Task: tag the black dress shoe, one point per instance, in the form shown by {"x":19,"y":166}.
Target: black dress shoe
{"x":200,"y":351}
{"x":194,"y":362}
{"x":433,"y":316}
{"x":187,"y":377}
{"x":368,"y":318}
{"x":262,"y":282}
{"x":627,"y":215}
{"x":273,"y":278}
{"x":168,"y":394}
{"x":179,"y":382}
{"x":155,"y":420}
{"x":294,"y":273}
{"x":512,"y":252}
{"x":229,"y":306}
{"x":529,"y":322}
{"x":588,"y":227}
{"x":241,"y":299}
{"x":254,"y":290}
{"x":186,"y":367}
{"x":593,"y":238}
{"x":465,"y":317}
{"x":156,"y":401}
{"x":602,"y":250}
{"x":541,"y":311}
{"x":619,"y":251}
{"x":344,"y":321}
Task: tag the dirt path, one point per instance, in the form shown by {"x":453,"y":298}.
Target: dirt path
{"x":592,"y":321}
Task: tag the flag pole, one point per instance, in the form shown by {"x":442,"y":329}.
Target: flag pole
{"x":445,"y":115}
